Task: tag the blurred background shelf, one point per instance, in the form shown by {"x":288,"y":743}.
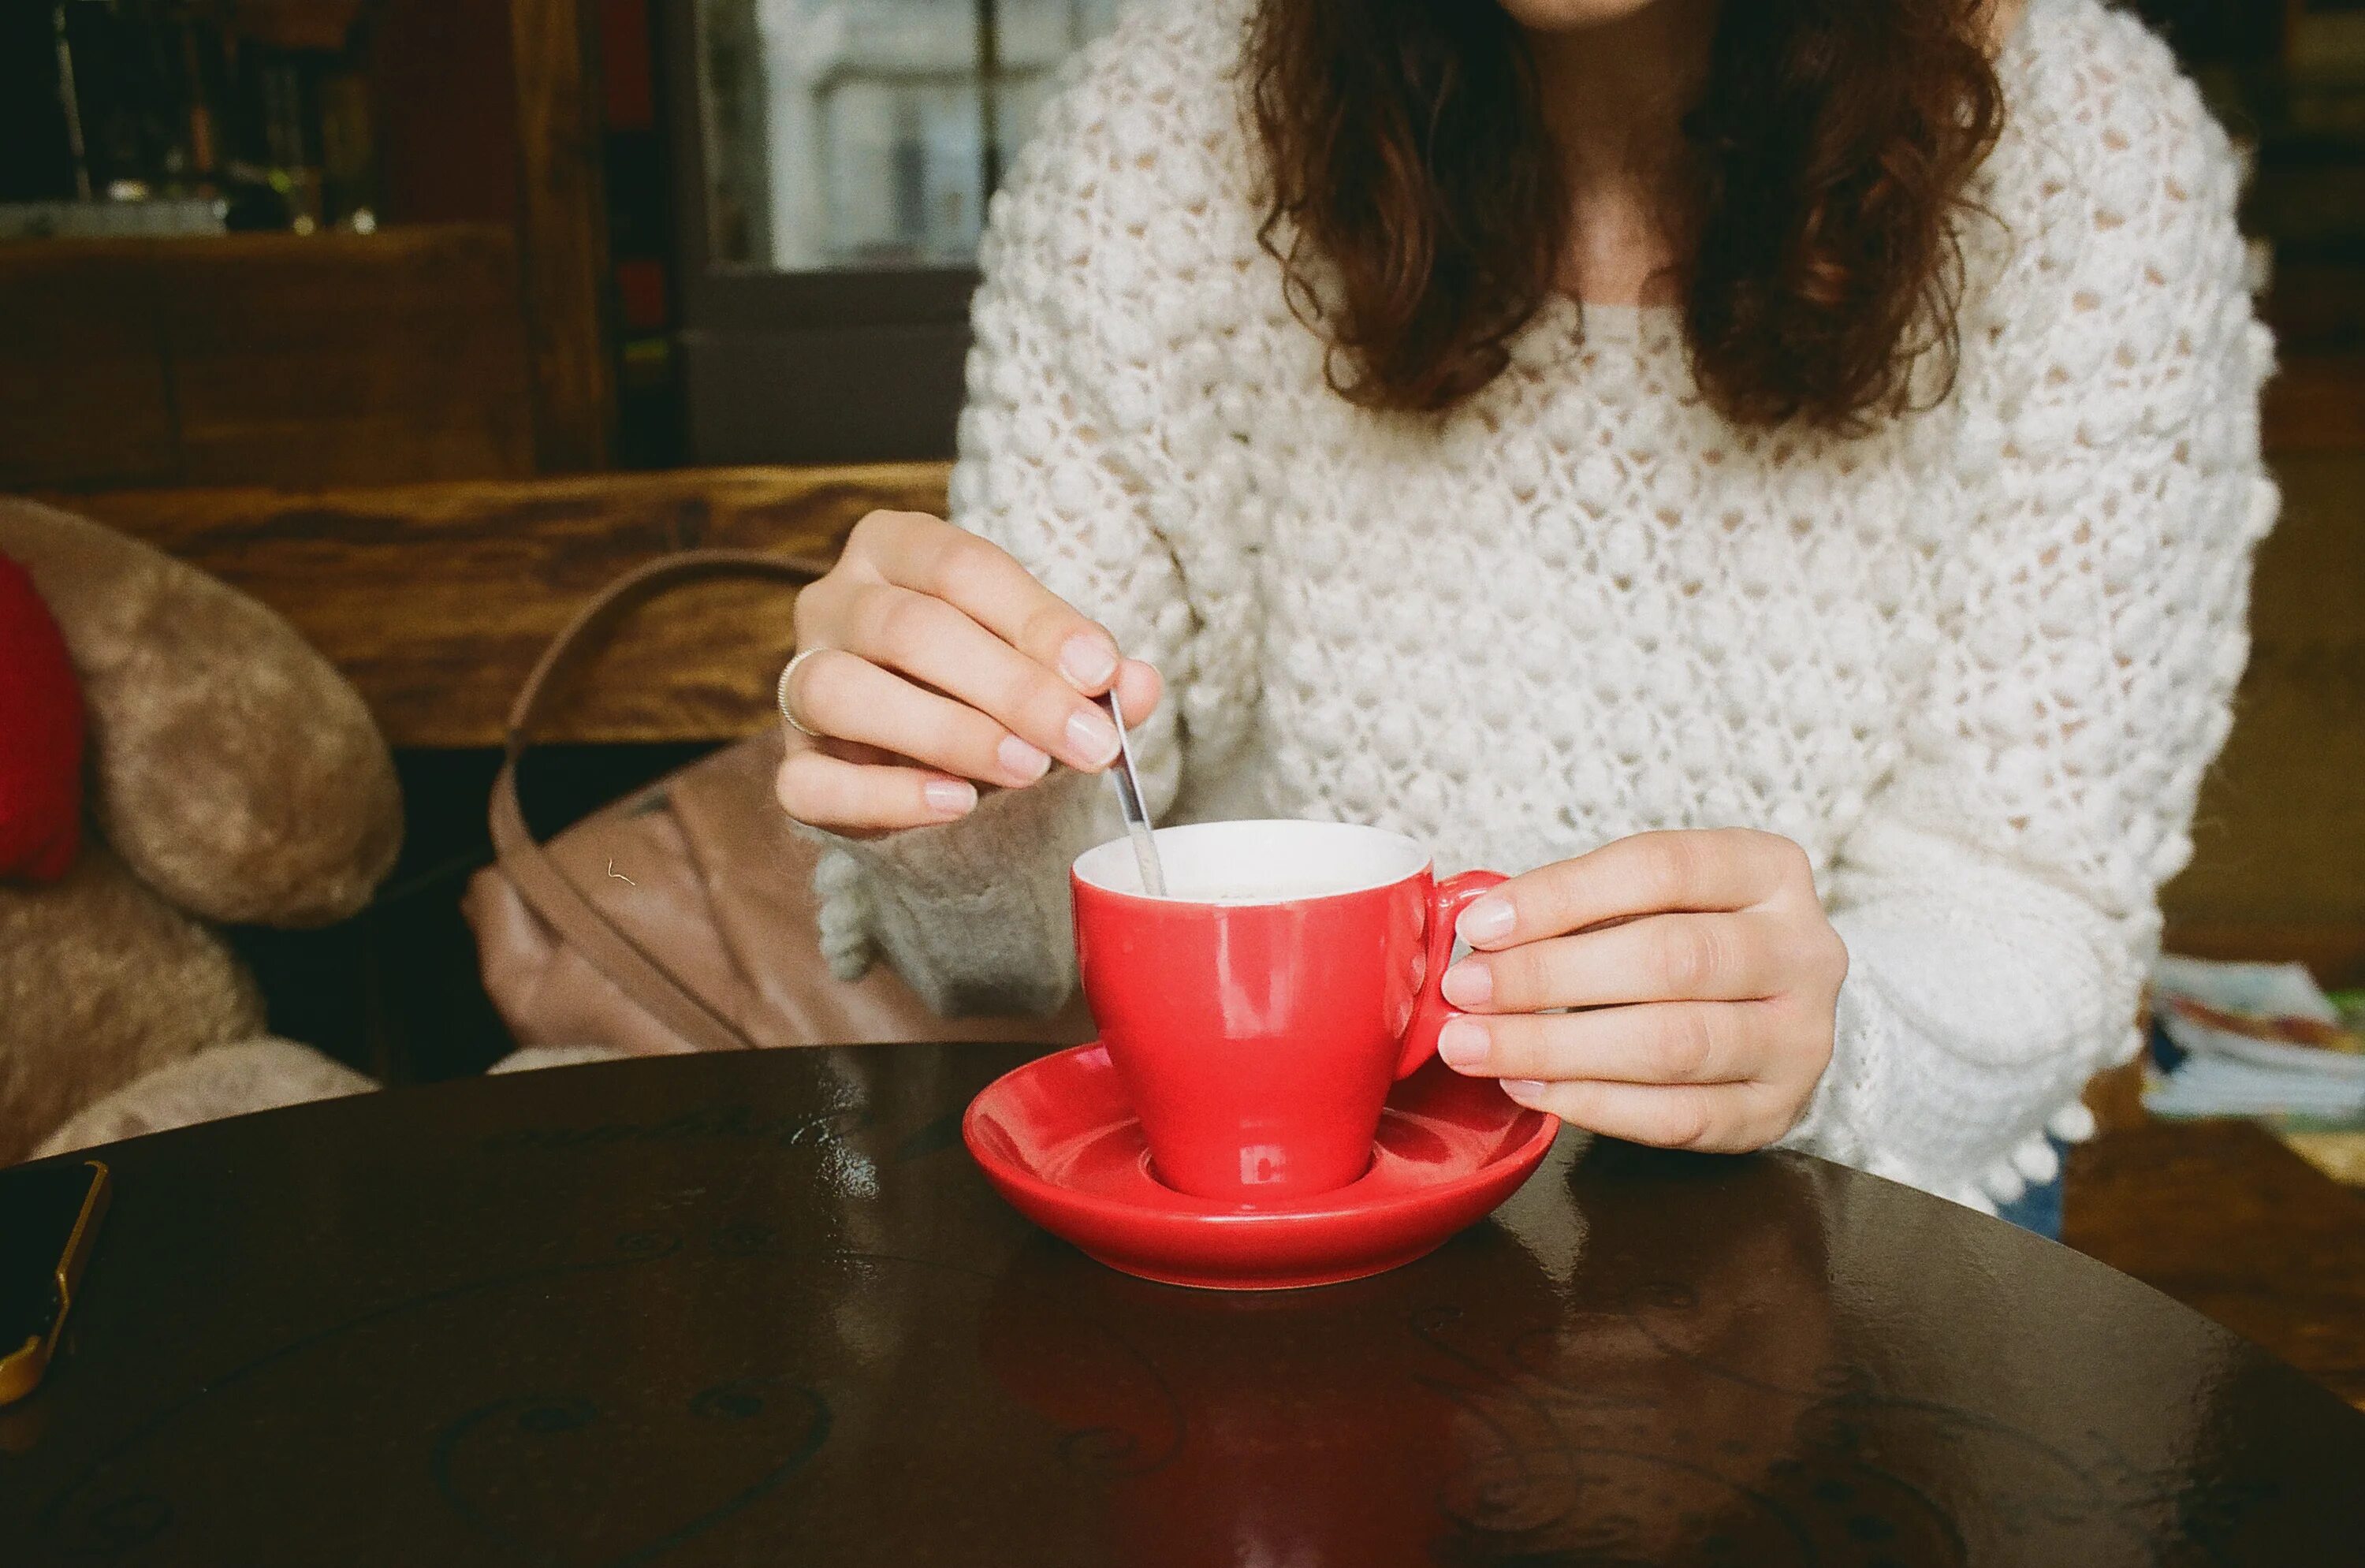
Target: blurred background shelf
{"x":412,"y":277}
{"x":295,"y":359}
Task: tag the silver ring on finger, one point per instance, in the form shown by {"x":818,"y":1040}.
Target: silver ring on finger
{"x":788,"y":671}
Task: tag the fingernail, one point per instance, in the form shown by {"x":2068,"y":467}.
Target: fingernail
{"x":1523,"y":1089}
{"x":948,"y":797}
{"x":1092,"y":739}
{"x":1462,"y":1042}
{"x":1468,"y":984}
{"x":1488,"y":920}
{"x":1087,"y":661}
{"x":1020,"y":761}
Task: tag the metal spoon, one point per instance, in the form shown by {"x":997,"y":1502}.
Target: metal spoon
{"x":1129,"y":802}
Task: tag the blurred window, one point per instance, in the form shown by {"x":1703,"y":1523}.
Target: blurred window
{"x":835,"y":158}
{"x":867,"y":133}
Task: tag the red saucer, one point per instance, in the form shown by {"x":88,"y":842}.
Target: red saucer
{"x":1058,"y":1138}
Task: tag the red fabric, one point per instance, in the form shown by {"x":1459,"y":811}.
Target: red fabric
{"x":641,"y":287}
{"x":40,"y":736}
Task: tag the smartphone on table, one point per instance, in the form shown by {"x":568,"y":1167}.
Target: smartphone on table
{"x":49,"y":1219}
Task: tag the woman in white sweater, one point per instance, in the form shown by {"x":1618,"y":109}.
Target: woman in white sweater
{"x":1783,"y":473}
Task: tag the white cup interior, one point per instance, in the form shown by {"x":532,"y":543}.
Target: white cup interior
{"x":1259,"y":862}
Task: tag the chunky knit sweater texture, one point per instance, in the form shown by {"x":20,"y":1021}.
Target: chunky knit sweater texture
{"x":1975,"y":662}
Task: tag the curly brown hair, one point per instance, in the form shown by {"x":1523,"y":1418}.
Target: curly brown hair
{"x":1416,"y":206}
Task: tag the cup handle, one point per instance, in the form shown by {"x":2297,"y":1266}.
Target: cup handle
{"x":1446,"y":902}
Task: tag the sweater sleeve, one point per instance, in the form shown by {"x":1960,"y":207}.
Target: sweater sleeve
{"x":1998,"y":898}
{"x":1064,"y":451}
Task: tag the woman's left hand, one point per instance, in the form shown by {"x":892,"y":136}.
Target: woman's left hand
{"x":1702,"y":976}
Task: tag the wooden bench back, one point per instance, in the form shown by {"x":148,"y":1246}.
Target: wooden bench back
{"x":435,"y":600}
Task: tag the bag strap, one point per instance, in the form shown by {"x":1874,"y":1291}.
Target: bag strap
{"x":535,"y":873}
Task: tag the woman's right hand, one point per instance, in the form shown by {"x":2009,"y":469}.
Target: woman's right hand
{"x":941,"y":665}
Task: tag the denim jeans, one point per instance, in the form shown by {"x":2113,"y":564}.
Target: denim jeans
{"x":2038,"y":1208}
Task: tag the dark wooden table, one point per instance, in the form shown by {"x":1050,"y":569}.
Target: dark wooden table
{"x":764,"y":1310}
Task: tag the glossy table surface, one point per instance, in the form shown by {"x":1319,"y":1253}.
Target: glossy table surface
{"x":762,"y":1309}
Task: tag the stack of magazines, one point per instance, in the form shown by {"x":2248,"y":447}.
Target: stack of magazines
{"x":2264,"y":1041}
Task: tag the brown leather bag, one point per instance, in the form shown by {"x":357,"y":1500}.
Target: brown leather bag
{"x":681,"y":917}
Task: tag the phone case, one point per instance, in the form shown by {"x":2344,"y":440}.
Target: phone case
{"x":21,"y":1366}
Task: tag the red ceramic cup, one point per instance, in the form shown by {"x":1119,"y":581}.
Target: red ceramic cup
{"x":1259,"y":1013}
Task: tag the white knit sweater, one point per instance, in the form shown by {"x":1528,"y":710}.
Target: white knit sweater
{"x":1974,"y":663}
